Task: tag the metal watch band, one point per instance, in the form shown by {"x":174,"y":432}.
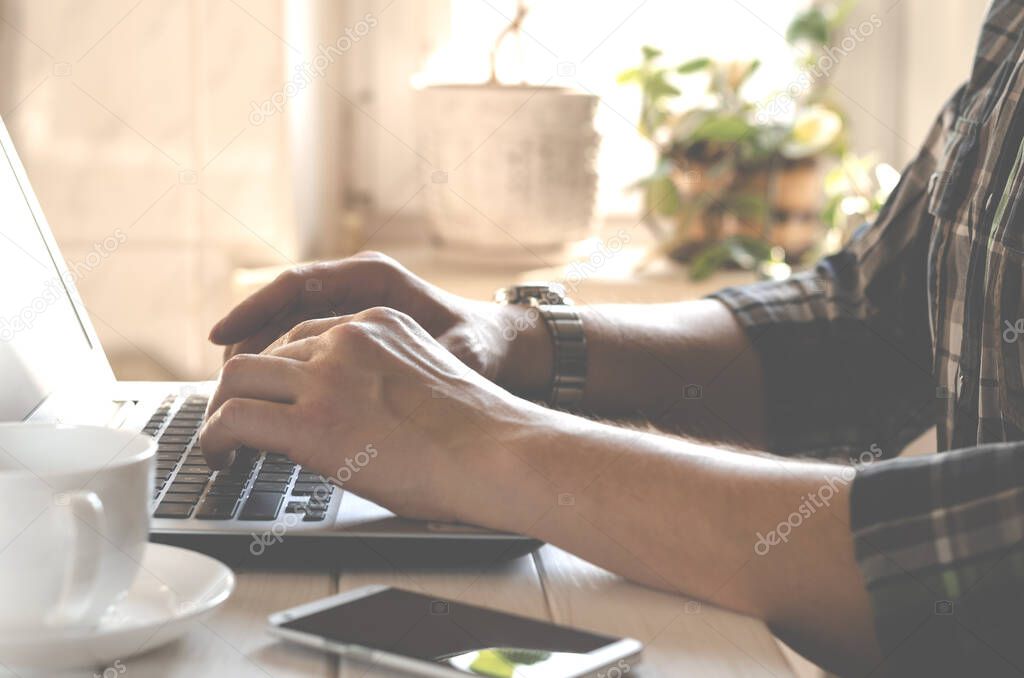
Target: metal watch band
{"x":570,"y":359}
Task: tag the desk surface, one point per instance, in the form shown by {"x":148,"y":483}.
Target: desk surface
{"x":683,"y":638}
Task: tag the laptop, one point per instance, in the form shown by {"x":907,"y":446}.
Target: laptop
{"x":53,"y":369}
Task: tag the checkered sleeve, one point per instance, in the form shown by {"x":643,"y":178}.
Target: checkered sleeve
{"x":846,"y":347}
{"x":940,"y":543}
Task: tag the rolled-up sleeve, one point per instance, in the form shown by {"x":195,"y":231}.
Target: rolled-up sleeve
{"x":846,"y":348}
{"x":940,"y":544}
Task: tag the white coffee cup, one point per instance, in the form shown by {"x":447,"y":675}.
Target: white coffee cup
{"x":74,"y":521}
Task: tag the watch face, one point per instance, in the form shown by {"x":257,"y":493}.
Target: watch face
{"x":543,"y":293}
{"x":551,"y":297}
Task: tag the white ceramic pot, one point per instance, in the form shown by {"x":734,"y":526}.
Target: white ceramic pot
{"x":513,"y":166}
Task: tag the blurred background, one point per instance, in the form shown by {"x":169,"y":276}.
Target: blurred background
{"x":640,"y":150}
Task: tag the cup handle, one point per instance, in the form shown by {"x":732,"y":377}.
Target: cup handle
{"x":83,"y":569}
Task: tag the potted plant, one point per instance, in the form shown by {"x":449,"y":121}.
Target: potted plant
{"x":513,"y":164}
{"x":737,"y":181}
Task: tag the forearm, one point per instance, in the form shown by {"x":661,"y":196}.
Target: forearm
{"x":686,"y":367}
{"x":687,"y":518}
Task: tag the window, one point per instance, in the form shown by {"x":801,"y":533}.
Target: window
{"x":585,"y":44}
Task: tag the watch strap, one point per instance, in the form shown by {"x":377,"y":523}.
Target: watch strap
{"x":570,"y":356}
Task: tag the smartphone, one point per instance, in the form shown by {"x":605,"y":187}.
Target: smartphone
{"x":423,"y":636}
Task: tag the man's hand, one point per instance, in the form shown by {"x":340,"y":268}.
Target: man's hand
{"x":503,"y":343}
{"x":371,"y":401}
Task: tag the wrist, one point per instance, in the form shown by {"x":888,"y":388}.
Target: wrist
{"x":529,"y":357}
{"x":499,"y":488}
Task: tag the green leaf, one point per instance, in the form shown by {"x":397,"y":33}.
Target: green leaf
{"x":657,"y":86}
{"x":629,"y":75}
{"x":662,"y":197}
{"x":694,"y":65}
{"x":809,"y":26}
{"x":746,"y":205}
{"x":662,"y":170}
{"x":759,"y":249}
{"x":491,"y":663}
{"x":723,"y":129}
{"x":744,"y":251}
{"x":709,"y":260}
{"x":650,"y":53}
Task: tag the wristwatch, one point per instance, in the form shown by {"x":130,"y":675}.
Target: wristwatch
{"x":566,"y":328}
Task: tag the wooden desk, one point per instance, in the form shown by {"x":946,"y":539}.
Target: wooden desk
{"x":683,"y":638}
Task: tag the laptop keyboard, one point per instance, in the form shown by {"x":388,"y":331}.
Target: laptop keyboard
{"x":258,"y":486}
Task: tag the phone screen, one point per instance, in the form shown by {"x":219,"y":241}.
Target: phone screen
{"x":463,"y":637}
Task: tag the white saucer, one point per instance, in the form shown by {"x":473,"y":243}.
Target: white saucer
{"x":174,"y":590}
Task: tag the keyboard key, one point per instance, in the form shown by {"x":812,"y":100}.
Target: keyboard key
{"x":318,"y":489}
{"x":172,"y":439}
{"x":166,"y":510}
{"x":196,"y":468}
{"x":187,"y":488}
{"x":191,"y":478}
{"x":278,"y":488}
{"x":309,"y":477}
{"x":174,"y":430}
{"x":261,"y":506}
{"x":178,"y":498}
{"x":170,"y":447}
{"x":314,"y":516}
{"x":217,"y":508}
{"x":274,"y":477}
{"x":277,"y":468}
{"x":166,"y":465}
{"x":168,"y":456}
{"x":222,"y":479}
{"x":317,"y":502}
{"x":295,"y":507}
{"x":226,"y":491}
{"x":234,"y":481}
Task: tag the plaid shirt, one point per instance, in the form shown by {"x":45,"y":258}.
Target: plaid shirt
{"x":920,"y":321}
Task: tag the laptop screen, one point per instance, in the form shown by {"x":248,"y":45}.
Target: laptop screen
{"x":43,"y":343}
